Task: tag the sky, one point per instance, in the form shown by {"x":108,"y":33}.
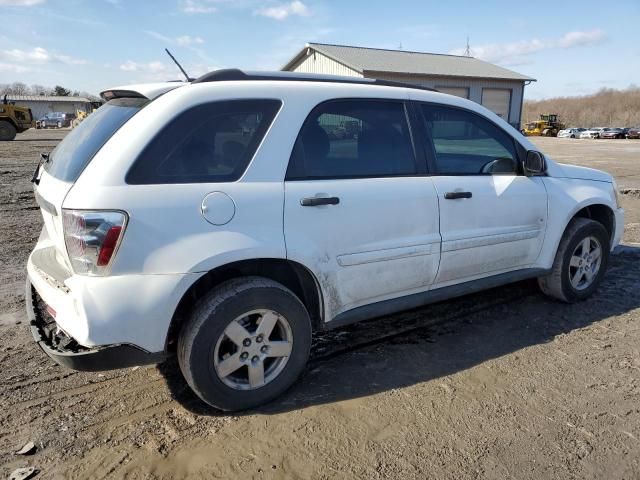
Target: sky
{"x":571,"y":48}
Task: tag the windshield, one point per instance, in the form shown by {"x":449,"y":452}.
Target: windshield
{"x":73,"y":154}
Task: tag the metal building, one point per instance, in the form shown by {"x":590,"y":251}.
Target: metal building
{"x":497,"y":88}
{"x":43,"y":104}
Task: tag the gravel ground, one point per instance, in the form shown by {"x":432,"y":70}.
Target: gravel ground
{"x":501,"y":384}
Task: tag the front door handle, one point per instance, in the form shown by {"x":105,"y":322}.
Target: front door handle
{"x":316,"y":201}
{"x":456,"y":195}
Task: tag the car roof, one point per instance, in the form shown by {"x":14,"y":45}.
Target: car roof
{"x":153,"y":90}
{"x":234,"y":74}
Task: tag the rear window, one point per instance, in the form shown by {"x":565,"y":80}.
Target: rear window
{"x":209,"y":143}
{"x":73,"y":154}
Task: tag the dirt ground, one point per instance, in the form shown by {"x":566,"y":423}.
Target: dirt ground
{"x":502,"y":384}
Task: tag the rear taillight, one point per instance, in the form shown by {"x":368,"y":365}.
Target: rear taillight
{"x":92,"y":238}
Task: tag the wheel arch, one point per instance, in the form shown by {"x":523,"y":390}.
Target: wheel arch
{"x":293,"y":275}
{"x":599,"y":212}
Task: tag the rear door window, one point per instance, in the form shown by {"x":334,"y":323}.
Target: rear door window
{"x":208,"y":143}
{"x":353,"y":139}
{"x":75,"y":151}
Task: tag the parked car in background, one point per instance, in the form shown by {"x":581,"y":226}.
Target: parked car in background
{"x":612,"y":133}
{"x":55,"y":120}
{"x":592,"y":133}
{"x":570,"y":133}
{"x":177,"y":224}
{"x":633,"y":133}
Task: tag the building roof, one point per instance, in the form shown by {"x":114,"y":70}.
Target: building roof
{"x":362,"y":59}
{"x":44,"y":98}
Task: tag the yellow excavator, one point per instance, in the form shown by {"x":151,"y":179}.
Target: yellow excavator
{"x":547,"y":126}
{"x":82,"y":114}
{"x":13,"y":120}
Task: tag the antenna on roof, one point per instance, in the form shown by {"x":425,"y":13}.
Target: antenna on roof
{"x":467,"y":51}
{"x":189,"y":79}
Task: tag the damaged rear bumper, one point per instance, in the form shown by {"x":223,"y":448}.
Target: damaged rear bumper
{"x":65,"y":351}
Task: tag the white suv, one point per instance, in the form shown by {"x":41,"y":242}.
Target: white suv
{"x":227,"y":219}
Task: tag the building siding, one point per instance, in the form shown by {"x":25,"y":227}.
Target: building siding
{"x":475,"y":87}
{"x":316,"y":62}
{"x":319,"y":63}
{"x":39,"y":108}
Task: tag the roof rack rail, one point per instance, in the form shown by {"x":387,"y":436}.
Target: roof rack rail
{"x":235,"y":74}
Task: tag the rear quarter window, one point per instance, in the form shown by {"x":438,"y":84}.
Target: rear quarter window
{"x":209,"y":143}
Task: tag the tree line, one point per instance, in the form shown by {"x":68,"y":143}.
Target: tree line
{"x":19,"y":88}
{"x":606,"y":108}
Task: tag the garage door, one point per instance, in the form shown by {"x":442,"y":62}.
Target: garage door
{"x":498,"y":100}
{"x":457,"y":91}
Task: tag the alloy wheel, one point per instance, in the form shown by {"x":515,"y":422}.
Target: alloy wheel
{"x":253,"y":349}
{"x":585,"y":263}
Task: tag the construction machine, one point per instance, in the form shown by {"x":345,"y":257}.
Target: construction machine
{"x":82,"y":114}
{"x":13,"y":120}
{"x":547,"y":126}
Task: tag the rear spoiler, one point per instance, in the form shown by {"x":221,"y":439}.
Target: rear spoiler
{"x":142,"y":90}
{"x":112,"y":94}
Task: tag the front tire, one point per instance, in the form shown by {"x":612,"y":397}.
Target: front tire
{"x":246,"y":342}
{"x":580,"y":263}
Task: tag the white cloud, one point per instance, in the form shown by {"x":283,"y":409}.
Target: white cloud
{"x":8,"y":67}
{"x":183,"y":40}
{"x":157,"y":71}
{"x":150,"y":67}
{"x":38,"y":55}
{"x":186,"y":40}
{"x":579,"y":39}
{"x":518,"y":53}
{"x":198,"y":6}
{"x":129,"y":66}
{"x":285,"y":10}
{"x":158,"y":36}
{"x":20,"y":3}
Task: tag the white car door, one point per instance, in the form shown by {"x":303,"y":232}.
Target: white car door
{"x":359,"y":210}
{"x":492,"y":217}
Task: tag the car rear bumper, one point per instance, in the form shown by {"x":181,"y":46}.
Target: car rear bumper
{"x":128,"y":309}
{"x":66,"y":351}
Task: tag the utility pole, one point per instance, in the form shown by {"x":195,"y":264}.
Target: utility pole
{"x":467,"y":52}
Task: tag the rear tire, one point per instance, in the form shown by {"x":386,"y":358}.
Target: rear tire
{"x":580,"y":263}
{"x":7,"y":131}
{"x":246,"y":342}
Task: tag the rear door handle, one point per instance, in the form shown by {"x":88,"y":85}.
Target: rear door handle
{"x":456,"y":195}
{"x":316,"y":201}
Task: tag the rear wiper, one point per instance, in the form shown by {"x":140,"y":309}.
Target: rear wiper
{"x":44,"y":158}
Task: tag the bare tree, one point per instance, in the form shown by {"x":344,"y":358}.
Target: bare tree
{"x":89,"y":96}
{"x":607,"y":108}
{"x":40,"y":90}
{"x":19,"y":88}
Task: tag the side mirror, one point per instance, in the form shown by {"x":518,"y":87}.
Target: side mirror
{"x":535,"y":163}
